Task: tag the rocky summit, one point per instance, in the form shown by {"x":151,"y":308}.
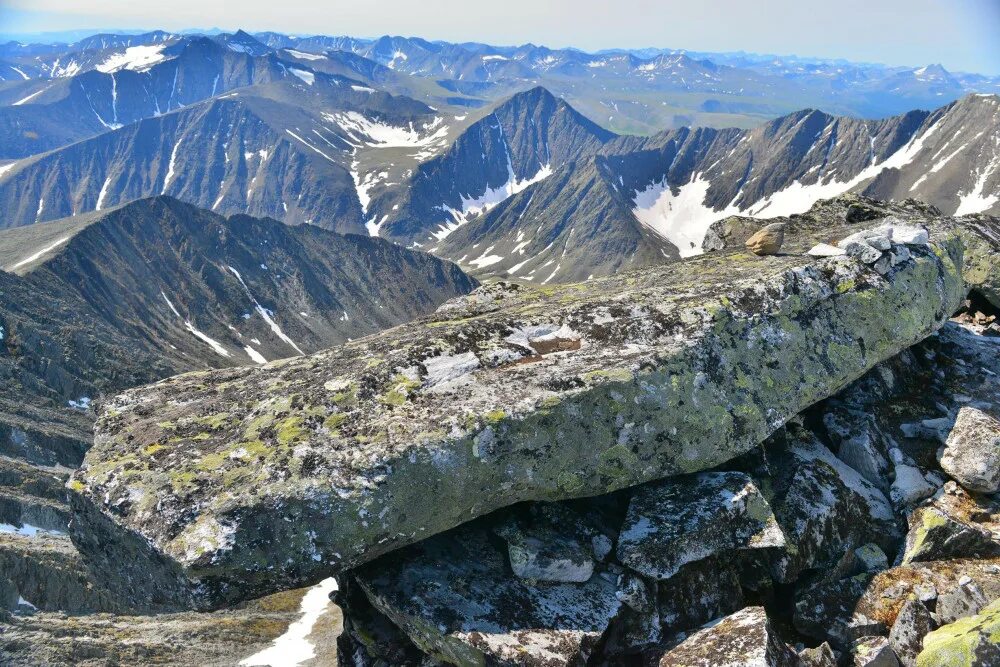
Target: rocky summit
{"x":323,"y":351}
{"x":325,"y":462}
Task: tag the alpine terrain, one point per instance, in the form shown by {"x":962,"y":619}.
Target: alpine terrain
{"x":324,"y":350}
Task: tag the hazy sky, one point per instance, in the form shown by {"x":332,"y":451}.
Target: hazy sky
{"x":960,"y":34}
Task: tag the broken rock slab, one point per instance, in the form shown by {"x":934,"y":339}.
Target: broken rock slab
{"x":455,"y":598}
{"x":953,"y":524}
{"x":972,"y":452}
{"x":743,"y":638}
{"x":824,"y":507}
{"x":226,"y":485}
{"x":689,"y":518}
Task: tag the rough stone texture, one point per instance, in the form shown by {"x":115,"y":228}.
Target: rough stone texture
{"x":191,"y":639}
{"x":954,"y":524}
{"x":45,"y":570}
{"x":906,"y":637}
{"x":745,"y":638}
{"x":972,"y":453}
{"x":823,"y":506}
{"x":820,"y":656}
{"x":880,"y":599}
{"x":859,"y":443}
{"x":768,"y":240}
{"x":826,"y":611}
{"x":969,"y":642}
{"x":874,"y":652}
{"x":454,"y":597}
{"x":701,"y":591}
{"x":207,"y":480}
{"x":689,"y":518}
{"x":551,"y":543}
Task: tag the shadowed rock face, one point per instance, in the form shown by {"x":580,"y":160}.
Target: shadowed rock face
{"x":309,"y":466}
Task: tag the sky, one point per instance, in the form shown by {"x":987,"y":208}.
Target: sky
{"x":960,"y":34}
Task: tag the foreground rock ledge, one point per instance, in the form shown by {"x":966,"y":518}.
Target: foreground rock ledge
{"x":213,"y":487}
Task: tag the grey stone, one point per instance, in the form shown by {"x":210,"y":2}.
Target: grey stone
{"x":972,"y":451}
{"x":744,"y":638}
{"x":879,"y":242}
{"x":861,"y":251}
{"x":826,"y":508}
{"x":871,"y":557}
{"x":689,"y":518}
{"x":454,"y":597}
{"x":874,"y":652}
{"x":954,"y":524}
{"x":906,"y":637}
{"x":825,"y":250}
{"x":961,"y":601}
{"x":910,"y":235}
{"x":820,"y":656}
{"x":580,"y":390}
{"x":910,"y":486}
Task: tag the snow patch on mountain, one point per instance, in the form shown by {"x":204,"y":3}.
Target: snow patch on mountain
{"x":473,"y":206}
{"x":682,"y":217}
{"x":136,"y":58}
{"x":373,"y":132}
{"x":31,"y":258}
{"x":307,"y":77}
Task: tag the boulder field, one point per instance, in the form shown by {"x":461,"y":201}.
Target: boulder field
{"x":733,"y":455}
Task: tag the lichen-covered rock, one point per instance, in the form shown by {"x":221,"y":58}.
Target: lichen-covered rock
{"x":226,"y":485}
{"x":701,"y":591}
{"x":874,"y":652}
{"x":819,"y":656}
{"x":907,"y":635}
{"x":972,"y":453}
{"x":689,"y":518}
{"x":954,"y":524}
{"x":826,"y":610}
{"x":744,"y":639}
{"x":823,"y":507}
{"x":969,"y":642}
{"x":883,"y":598}
{"x":455,"y":598}
{"x":966,"y":599}
{"x":551,"y":543}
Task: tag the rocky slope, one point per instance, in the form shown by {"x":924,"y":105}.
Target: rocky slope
{"x":98,"y":303}
{"x":771,"y":486}
{"x":839,"y":540}
{"x":491,"y":386}
{"x":282,"y":149}
{"x":678,"y":183}
{"x":520,"y":142}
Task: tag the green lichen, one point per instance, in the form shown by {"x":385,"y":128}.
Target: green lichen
{"x":290,"y":431}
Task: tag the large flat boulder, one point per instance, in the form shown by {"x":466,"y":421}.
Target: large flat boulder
{"x":213,"y":487}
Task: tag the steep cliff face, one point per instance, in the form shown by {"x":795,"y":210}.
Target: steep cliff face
{"x":678,"y":369}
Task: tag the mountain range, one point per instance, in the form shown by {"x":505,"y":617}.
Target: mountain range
{"x":99,"y":302}
{"x":528,"y":188}
{"x":625,"y":90}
